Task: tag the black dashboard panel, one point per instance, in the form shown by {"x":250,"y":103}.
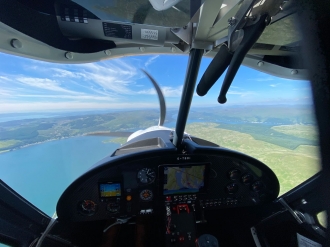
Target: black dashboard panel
{"x":136,"y":184}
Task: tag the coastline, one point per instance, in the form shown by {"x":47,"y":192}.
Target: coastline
{"x":32,"y":144}
{"x":60,"y":138}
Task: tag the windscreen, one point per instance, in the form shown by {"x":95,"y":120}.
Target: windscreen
{"x":58,"y":120}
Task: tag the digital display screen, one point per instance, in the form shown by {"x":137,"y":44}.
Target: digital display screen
{"x":110,"y":189}
{"x":183,"y":179}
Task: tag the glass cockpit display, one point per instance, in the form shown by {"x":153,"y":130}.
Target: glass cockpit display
{"x":184,"y":179}
{"x":110,"y":189}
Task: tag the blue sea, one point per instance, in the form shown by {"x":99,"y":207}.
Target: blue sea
{"x":40,"y":173}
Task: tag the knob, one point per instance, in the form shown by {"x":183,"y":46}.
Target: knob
{"x":232,"y":188}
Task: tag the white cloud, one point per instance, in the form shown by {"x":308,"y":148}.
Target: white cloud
{"x":262,"y":78}
{"x":4,"y":92}
{"x":116,"y":77}
{"x":150,"y":61}
{"x":4,"y":78}
{"x":103,"y":85}
{"x":73,"y":97}
{"x":301,"y":89}
{"x":242,"y":94}
{"x":45,"y":84}
{"x":69,"y":105}
{"x":167,"y":91}
{"x":66,"y":73}
{"x":274,"y":85}
{"x":110,"y":78}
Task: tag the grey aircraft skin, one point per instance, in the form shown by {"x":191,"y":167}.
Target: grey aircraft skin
{"x":129,"y":198}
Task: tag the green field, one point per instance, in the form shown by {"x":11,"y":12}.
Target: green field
{"x":283,"y":137}
{"x":15,"y":134}
{"x":8,"y":143}
{"x":119,"y":140}
{"x":292,"y":167}
{"x":301,"y":131}
{"x":242,"y":119}
{"x":268,"y":134}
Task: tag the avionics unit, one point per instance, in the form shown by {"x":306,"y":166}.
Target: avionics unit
{"x":183,"y":179}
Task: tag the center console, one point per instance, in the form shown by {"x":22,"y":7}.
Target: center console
{"x":182,"y":187}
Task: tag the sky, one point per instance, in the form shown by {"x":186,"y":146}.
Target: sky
{"x":28,"y":85}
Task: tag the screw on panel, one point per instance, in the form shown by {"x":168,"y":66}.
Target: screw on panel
{"x":107,"y":52}
{"x":294,"y":72}
{"x":69,"y":55}
{"x":260,"y":63}
{"x":16,"y":43}
{"x":232,"y":21}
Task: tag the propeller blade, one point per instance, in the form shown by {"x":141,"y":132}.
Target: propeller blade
{"x":161,"y":98}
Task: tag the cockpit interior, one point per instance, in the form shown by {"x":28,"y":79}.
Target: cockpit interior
{"x":164,"y":187}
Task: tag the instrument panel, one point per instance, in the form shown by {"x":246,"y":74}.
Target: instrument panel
{"x":127,"y":187}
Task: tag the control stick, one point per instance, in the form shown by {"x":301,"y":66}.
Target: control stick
{"x":118,"y":222}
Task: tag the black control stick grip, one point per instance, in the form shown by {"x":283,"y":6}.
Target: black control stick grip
{"x":251,"y":35}
{"x":216,"y":68}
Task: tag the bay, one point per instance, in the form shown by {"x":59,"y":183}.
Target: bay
{"x":40,"y":173}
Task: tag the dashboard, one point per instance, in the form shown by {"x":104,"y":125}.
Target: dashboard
{"x":146,"y":183}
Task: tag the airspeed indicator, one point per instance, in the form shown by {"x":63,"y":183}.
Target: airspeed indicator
{"x":146,"y":175}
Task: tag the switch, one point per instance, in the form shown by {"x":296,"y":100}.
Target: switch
{"x":149,"y":211}
{"x":173,"y":228}
{"x":181,"y":238}
{"x":128,"y":198}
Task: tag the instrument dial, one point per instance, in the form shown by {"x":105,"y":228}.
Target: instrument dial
{"x":234,"y":174}
{"x":232,"y":188}
{"x":113,"y":207}
{"x":258,"y":186}
{"x":146,"y":195}
{"x":146,"y":175}
{"x":247,"y":178}
{"x":87,"y":207}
